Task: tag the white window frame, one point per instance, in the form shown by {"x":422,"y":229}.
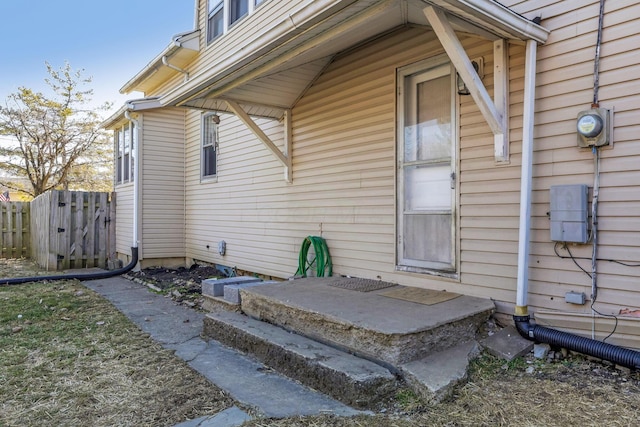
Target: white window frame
{"x":427,"y":267}
{"x":208,"y":141}
{"x":124,"y":155}
{"x":225,"y":7}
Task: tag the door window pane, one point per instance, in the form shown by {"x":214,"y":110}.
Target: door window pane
{"x":427,"y":133}
{"x":430,"y":238}
{"x":427,"y":187}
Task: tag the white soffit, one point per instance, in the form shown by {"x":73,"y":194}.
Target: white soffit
{"x":280,"y":75}
{"x":182,"y":50}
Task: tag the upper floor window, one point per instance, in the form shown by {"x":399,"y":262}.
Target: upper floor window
{"x":210,"y":123}
{"x":239,"y":8}
{"x":125,"y":139}
{"x":224,"y":13}
{"x":215,"y":24}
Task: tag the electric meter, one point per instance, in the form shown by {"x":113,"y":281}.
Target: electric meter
{"x":590,"y":125}
{"x":594,"y":127}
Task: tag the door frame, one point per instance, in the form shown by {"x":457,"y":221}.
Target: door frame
{"x":401,"y":73}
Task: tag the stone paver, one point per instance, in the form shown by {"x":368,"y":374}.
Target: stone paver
{"x":179,"y":328}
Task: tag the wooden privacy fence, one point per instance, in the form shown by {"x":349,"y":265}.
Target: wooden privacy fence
{"x":14,"y":223}
{"x":72,"y":229}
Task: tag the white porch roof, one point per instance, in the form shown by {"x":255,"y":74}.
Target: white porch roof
{"x":281,"y":66}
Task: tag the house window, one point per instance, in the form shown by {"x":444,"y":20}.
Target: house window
{"x":224,"y":13}
{"x":209,"y":144}
{"x":239,"y":8}
{"x":426,"y":174}
{"x":125,"y":139}
{"x":215,"y":24}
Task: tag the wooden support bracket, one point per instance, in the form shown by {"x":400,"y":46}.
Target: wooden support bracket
{"x":284,"y":158}
{"x":495,"y":113}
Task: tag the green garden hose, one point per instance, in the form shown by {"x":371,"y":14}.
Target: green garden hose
{"x":322,"y":260}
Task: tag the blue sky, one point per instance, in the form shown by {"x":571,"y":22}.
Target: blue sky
{"x":111,"y":40}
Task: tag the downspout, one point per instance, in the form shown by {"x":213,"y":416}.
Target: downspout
{"x":528,"y":113}
{"x":136,"y":180}
{"x":166,"y":62}
{"x":196,"y":18}
{"x":531,"y":331}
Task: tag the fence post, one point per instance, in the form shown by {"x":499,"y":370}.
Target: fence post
{"x":112,"y":227}
{"x":102,"y":227}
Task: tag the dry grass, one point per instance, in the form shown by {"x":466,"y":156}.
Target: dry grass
{"x":576,"y":392}
{"x":77,"y":361}
{"x":69,"y":358}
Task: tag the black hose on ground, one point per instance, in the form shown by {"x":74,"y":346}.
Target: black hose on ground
{"x":618,"y":355}
{"x":78,"y":276}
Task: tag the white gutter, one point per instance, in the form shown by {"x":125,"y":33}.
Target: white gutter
{"x":136,"y":184}
{"x":528,"y":119}
{"x":189,"y":41}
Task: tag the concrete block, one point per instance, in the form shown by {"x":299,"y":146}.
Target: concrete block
{"x":232,"y":292}
{"x":507,"y":344}
{"x":215,"y":287}
{"x":540,"y":351}
{"x":436,"y":376}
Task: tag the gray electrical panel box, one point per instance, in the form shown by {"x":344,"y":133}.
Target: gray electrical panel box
{"x":568,"y":213}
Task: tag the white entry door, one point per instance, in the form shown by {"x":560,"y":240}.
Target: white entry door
{"x":426,"y":169}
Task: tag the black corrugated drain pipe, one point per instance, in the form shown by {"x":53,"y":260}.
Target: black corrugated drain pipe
{"x":79,"y":276}
{"x":618,"y":355}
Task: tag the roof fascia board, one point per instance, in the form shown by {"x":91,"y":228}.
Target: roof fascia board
{"x":132,"y":105}
{"x":189,"y":41}
{"x":500,"y":16}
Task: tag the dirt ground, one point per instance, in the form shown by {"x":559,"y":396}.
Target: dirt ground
{"x":182,"y":284}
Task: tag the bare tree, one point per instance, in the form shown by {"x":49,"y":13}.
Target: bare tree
{"x":56,"y":140}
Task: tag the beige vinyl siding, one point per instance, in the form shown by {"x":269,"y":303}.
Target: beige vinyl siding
{"x":162,"y":183}
{"x":565,"y":87}
{"x":124,"y":218}
{"x":344,"y":167}
{"x":344,"y":180}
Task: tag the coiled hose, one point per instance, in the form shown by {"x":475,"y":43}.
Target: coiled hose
{"x":322,"y":260}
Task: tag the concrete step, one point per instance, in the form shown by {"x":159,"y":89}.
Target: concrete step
{"x":352,"y":380}
{"x":368,"y":324}
{"x":436,"y":376}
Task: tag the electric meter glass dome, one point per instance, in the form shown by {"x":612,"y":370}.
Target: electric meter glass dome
{"x":590,"y":125}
